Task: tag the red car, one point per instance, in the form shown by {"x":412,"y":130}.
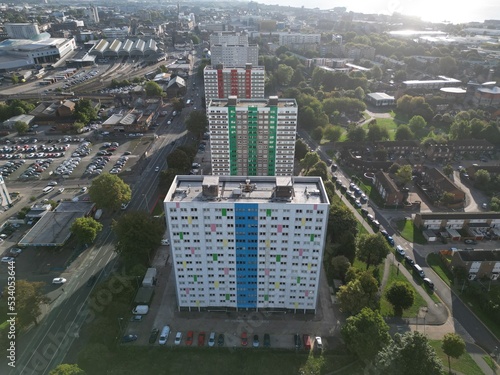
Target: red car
{"x":244,"y":339}
{"x":201,"y":339}
{"x":189,"y":338}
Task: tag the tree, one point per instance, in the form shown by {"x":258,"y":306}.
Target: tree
{"x":448,"y":170}
{"x":453,"y":346}
{"x":341,"y":220}
{"x":284,"y":74}
{"x":448,"y":66}
{"x":179,"y":160}
{"x":376,"y":72}
{"x":108,"y":191}
{"x":358,"y":294}
{"x":404,"y":174}
{"x":319,"y":169}
{"x":85,"y":229}
{"x":29,"y":298}
{"x":333,"y":133}
{"x":66,"y":369}
{"x":340,"y":265}
{"x":482,"y":178}
{"x":153,"y":89}
{"x":460,"y":129}
{"x":94,"y":357}
{"x":346,"y":246}
{"x":365,"y":334}
{"x":301,"y":149}
{"x":309,"y":160}
{"x":377,"y":132}
{"x":85,"y":111}
{"x":403,"y":133}
{"x":21,"y":127}
{"x":447,"y":198}
{"x":408,"y":354}
{"x":138,"y":234}
{"x":401,"y":296}
{"x":356,"y":134}
{"x":77,"y":126}
{"x":372,"y":249}
{"x":197,"y":123}
{"x":417,"y":124}
{"x":177,"y":104}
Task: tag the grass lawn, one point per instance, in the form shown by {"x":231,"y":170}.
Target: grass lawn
{"x":158,"y":208}
{"x":386,"y":308}
{"x":465,"y":364}
{"x":388,"y":123}
{"x":490,"y":362}
{"x":491,"y":323}
{"x":410,"y":233}
{"x":437,"y":264}
{"x":208,"y":361}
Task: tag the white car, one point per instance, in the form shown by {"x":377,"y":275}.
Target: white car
{"x":157,"y":169}
{"x":165,"y":242}
{"x":59,"y":280}
{"x":61,"y":190}
{"x":15,"y":251}
{"x":52,"y":183}
{"x":83,"y":189}
{"x":178,"y":338}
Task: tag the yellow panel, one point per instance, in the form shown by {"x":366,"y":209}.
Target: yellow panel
{"x":276,"y":285}
{"x":184,"y":264}
{"x":296,"y":305}
{"x":189,"y":219}
{"x":309,"y":266}
{"x":303,"y":221}
{"x":197,"y":303}
{"x":268,"y":243}
{"x":224,"y":242}
{"x":216,"y":284}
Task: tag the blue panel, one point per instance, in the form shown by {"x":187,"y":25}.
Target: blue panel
{"x":247,"y":237}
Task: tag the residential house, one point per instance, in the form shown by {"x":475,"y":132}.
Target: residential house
{"x":437,"y":184}
{"x":386,"y":187}
{"x":478,"y":263}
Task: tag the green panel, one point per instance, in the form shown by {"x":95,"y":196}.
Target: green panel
{"x":227,"y":296}
{"x":224,"y":212}
{"x":214,"y":257}
{"x":268,"y":212}
{"x":298,"y":279}
{"x":195,"y":278}
{"x":253,"y":125}
{"x":273,"y":125}
{"x":312,"y":237}
{"x":266,"y":297}
{"x":233,"y":144}
{"x":181,"y":235}
{"x":278,"y":258}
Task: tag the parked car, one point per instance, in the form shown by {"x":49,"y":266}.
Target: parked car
{"x":15,"y":251}
{"x":211,"y":339}
{"x":154,"y":335}
{"x":165,"y":242}
{"x":297,"y":341}
{"x":255,"y":342}
{"x":318,"y":343}
{"x":178,"y":338}
{"x":244,"y":339}
{"x":8,"y":259}
{"x":400,"y":250}
{"x":129,"y":338}
{"x":201,"y":339}
{"x":409,"y":262}
{"x":189,"y":338}
{"x":470,"y":242}
{"x":429,"y":283}
{"x":136,"y":318}
{"x":59,"y":280}
{"x":267,"y":340}
{"x":220,"y":340}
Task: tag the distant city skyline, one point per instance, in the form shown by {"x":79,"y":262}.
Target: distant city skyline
{"x":427,"y":10}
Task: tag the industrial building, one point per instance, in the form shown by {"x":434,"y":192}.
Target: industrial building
{"x":252,"y":137}
{"x":241,"y":243}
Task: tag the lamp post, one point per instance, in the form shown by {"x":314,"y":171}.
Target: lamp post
{"x":120,"y":325}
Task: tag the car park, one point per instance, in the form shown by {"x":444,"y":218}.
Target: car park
{"x":211,"y":339}
{"x":189,"y":338}
{"x":154,"y":335}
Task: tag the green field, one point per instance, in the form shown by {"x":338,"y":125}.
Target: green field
{"x":410,"y":233}
{"x":464,"y":364}
{"x":208,"y":361}
{"x":438,"y":266}
{"x":388,"y":123}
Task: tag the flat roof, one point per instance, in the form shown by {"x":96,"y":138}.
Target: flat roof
{"x":231,"y":189}
{"x":282,"y":103}
{"x":380,"y":96}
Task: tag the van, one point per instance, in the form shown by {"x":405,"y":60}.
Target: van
{"x":164,"y":335}
{"x":140,"y":310}
{"x":419,"y":270}
{"x":400,"y":250}
{"x":47,"y":189}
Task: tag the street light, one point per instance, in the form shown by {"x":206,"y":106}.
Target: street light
{"x":120,"y":325}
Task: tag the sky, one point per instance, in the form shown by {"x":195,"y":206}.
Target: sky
{"x":428,"y":10}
